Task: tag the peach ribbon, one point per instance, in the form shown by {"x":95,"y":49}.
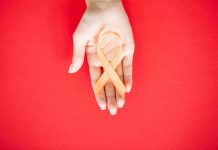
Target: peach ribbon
{"x":109,"y":67}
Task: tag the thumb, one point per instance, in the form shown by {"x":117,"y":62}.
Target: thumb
{"x":78,"y":53}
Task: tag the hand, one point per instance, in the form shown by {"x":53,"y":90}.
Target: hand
{"x":104,"y":15}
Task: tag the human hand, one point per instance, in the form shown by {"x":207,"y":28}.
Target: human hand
{"x":104,"y":15}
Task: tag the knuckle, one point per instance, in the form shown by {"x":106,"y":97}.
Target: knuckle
{"x":76,"y":36}
{"x":78,"y":41}
{"x":132,"y":47}
{"x":110,"y":95}
{"x":129,"y":48}
{"x":128,"y":66}
{"x":128,"y":76}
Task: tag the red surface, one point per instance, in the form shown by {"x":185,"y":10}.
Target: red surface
{"x":174,"y":100}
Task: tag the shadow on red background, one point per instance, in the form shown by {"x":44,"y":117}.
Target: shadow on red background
{"x":173,"y":103}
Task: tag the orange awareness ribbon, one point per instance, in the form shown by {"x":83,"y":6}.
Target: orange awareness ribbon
{"x":109,"y":67}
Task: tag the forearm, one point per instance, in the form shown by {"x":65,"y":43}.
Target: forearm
{"x":101,"y":3}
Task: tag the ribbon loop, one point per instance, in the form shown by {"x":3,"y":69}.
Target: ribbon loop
{"x":109,"y":67}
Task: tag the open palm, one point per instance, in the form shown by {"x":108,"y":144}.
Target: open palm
{"x":95,"y":20}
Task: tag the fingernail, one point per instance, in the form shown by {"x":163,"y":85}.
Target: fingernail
{"x":102,"y":107}
{"x":120,"y":105}
{"x":71,"y":69}
{"x":128,"y":88}
{"x":113,"y":112}
{"x":120,"y":102}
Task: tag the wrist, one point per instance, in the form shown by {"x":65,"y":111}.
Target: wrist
{"x":101,"y":3}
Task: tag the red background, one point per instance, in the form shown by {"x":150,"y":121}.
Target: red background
{"x":173,"y":102}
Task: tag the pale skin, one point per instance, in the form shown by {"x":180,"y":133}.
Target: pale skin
{"x":104,"y":15}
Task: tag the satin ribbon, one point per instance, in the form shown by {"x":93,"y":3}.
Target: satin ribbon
{"x":109,"y":67}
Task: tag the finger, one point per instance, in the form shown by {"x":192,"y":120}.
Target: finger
{"x":110,"y":96}
{"x":81,"y":36}
{"x":127,"y":65}
{"x":78,"y":53}
{"x":120,"y":100}
{"x":95,"y":73}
